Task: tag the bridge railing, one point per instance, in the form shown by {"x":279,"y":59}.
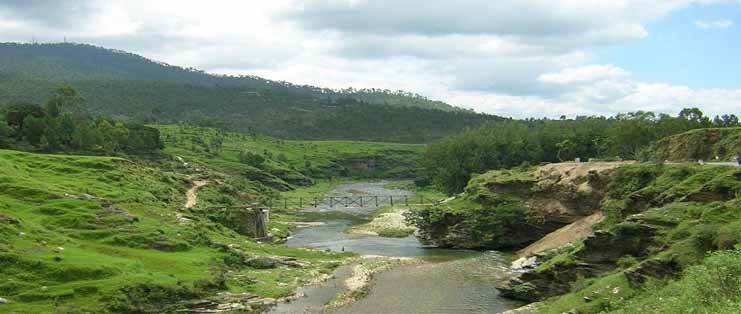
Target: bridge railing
{"x":339,"y":201}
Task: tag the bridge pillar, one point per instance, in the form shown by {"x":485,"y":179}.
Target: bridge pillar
{"x":252,"y":222}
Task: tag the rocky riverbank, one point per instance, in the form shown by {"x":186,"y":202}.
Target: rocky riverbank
{"x":594,"y":233}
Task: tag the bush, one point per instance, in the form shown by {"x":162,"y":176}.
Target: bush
{"x":252,"y":159}
{"x":627,"y":261}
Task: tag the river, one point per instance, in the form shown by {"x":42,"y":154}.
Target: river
{"x":449,"y":282}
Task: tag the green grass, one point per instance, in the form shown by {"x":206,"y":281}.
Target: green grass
{"x":75,"y":230}
{"x":687,"y":227}
{"x":713,"y":286}
{"x":704,"y":144}
{"x":602,"y":294}
{"x":428,"y":193}
{"x":294,"y":162}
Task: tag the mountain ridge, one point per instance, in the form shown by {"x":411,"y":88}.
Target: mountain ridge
{"x":131,"y":87}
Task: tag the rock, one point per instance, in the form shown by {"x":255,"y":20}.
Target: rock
{"x":58,"y":249}
{"x":199,"y":304}
{"x":262,"y":262}
{"x":266,"y":262}
{"x":8,"y":220}
{"x":531,"y":308}
{"x":587,"y":299}
{"x":236,"y":297}
{"x":3,"y":301}
{"x":524,"y":263}
{"x":533,"y":286}
{"x":640,"y":273}
{"x":609,"y":246}
{"x":294,"y":264}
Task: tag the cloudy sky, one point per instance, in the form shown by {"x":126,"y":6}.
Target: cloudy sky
{"x":520,"y":58}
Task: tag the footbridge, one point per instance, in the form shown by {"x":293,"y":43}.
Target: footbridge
{"x":347,"y":201}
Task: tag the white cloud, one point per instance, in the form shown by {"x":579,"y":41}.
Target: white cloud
{"x":584,"y":74}
{"x":714,"y":24}
{"x":512,"y":57}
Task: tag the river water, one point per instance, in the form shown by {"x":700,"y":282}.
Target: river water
{"x":450,"y":282}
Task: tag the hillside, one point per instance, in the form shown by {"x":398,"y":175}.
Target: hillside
{"x":701,"y":144}
{"x":131,"y":87}
{"x":649,"y":254}
{"x":104,"y":234}
{"x":284,"y":164}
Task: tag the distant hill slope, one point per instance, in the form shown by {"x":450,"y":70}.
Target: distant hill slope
{"x":705,"y":144}
{"x":133,"y":87}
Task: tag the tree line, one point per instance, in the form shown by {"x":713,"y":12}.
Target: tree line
{"x":450,"y":162}
{"x":133,"y":88}
{"x":61,"y":124}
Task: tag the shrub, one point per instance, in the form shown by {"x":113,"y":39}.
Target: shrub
{"x":252,"y":159}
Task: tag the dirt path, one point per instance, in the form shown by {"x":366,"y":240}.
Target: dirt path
{"x":192,"y":194}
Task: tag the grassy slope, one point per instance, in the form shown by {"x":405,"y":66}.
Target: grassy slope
{"x":696,"y":210}
{"x":293,"y":160}
{"x":486,"y":217}
{"x":125,"y":234}
{"x":703,"y":144}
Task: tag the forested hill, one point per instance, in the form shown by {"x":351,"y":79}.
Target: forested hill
{"x":128,"y":86}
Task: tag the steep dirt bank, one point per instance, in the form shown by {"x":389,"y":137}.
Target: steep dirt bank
{"x":595,"y":233}
{"x":659,"y":220}
{"x":510,"y":209}
{"x":570,"y":234}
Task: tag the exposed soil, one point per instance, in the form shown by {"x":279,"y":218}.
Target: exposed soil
{"x":574,"y":173}
{"x":192,"y":194}
{"x":571,"y":233}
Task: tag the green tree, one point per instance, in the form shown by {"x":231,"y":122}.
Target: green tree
{"x":252,"y":159}
{"x":120,"y":135}
{"x":630,"y":132}
{"x":64,"y":99}
{"x":16,"y":113}
{"x":5,"y":134}
{"x":566,"y":150}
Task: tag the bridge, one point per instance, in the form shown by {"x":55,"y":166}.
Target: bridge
{"x":346,"y":201}
{"x":253,"y":220}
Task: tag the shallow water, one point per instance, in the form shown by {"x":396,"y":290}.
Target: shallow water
{"x":462,"y":286}
{"x":452,"y":282}
{"x":332,"y":236}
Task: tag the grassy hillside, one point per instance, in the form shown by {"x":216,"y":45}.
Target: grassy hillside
{"x":287,"y":161}
{"x":704,"y":144}
{"x":668,"y":244}
{"x":100,"y":234}
{"x":675,"y":232}
{"x":129,"y":86}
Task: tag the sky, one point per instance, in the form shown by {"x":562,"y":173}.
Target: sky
{"x":517,"y":58}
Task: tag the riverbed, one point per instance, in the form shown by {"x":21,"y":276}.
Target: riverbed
{"x":444,"y":282}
